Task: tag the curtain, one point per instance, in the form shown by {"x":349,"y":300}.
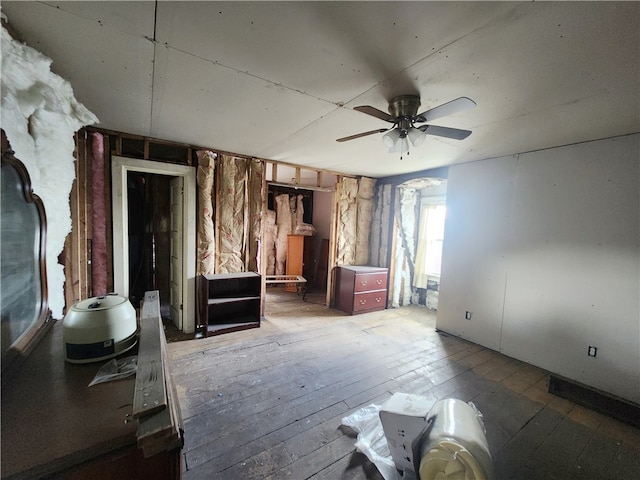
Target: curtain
{"x":431,"y":234}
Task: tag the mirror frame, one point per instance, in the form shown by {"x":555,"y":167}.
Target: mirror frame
{"x":21,"y":348}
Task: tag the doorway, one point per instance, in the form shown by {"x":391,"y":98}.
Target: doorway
{"x":308,"y":258}
{"x":183,"y":258}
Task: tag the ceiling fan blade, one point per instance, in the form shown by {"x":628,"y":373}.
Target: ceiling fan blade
{"x":374,"y":112}
{"x":454,"y":106}
{"x":358,"y":135}
{"x":447,"y":132}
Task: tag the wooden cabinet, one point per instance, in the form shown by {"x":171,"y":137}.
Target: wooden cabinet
{"x":229,"y":302}
{"x":300,"y":258}
{"x":361,"y":289}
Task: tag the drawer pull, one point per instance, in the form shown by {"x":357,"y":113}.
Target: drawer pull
{"x":378,"y":299}
{"x":362,"y":302}
{"x":363,"y":282}
{"x":379,"y":282}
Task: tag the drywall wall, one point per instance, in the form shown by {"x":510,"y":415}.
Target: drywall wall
{"x":473,"y":271}
{"x":543,"y":249}
{"x":322,"y":207}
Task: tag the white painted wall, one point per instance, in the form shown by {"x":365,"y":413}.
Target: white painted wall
{"x":544,"y":249}
{"x":322,"y":207}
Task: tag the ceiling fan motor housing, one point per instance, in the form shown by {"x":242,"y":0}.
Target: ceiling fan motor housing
{"x":404,"y":108}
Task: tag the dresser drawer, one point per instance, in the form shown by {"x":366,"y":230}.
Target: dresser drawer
{"x":375,"y":300}
{"x":365,"y":282}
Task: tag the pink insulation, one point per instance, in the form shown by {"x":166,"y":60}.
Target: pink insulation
{"x":98,"y":218}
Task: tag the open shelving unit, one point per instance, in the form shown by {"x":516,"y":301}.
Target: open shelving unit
{"x":229,"y":302}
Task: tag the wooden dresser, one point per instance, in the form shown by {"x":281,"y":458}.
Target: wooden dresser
{"x":55,"y":426}
{"x":361,"y":289}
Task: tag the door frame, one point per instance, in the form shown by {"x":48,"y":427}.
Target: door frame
{"x":120,"y":166}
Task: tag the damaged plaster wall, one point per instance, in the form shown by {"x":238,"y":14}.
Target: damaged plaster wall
{"x":40,"y":116}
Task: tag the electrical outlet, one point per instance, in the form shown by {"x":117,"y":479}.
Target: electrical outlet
{"x":467,"y":315}
{"x":592,"y":351}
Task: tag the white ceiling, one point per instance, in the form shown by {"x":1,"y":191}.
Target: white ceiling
{"x":278,"y":80}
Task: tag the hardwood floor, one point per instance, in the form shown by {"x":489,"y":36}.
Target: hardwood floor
{"x":267,"y":403}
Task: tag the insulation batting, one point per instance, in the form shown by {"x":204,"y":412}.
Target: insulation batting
{"x":40,"y":116}
{"x":232,"y":219}
{"x":380,"y":226}
{"x":347,"y":221}
{"x":256,"y":172}
{"x":366,"y":188}
{"x":283,"y":225}
{"x":270,"y":233}
{"x":406,"y":218}
{"x":297,"y":212}
{"x":206,"y":236}
{"x":98,"y":218}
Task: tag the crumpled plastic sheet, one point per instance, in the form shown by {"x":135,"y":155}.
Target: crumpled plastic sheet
{"x":116,"y":369}
{"x":372,"y":442}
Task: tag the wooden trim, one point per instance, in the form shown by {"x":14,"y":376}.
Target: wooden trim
{"x":159,"y":426}
{"x":333,"y":241}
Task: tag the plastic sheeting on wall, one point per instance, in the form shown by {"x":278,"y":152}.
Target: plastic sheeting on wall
{"x":206,"y":236}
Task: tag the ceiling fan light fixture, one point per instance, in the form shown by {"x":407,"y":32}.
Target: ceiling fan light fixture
{"x":390,"y":138}
{"x":401,"y":146}
{"x":416,"y":136}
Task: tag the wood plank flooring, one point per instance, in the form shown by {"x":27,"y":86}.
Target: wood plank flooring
{"x":267,"y":403}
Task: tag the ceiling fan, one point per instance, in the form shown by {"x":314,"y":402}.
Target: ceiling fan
{"x":403,"y":116}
